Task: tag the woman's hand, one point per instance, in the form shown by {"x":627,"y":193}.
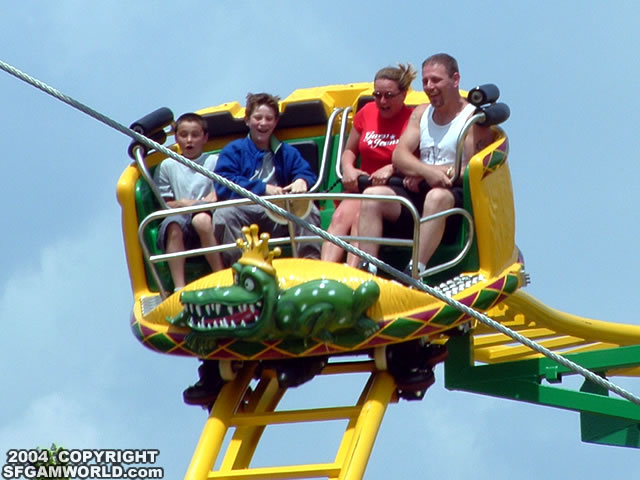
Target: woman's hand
{"x":382,"y":175}
{"x":350,"y":178}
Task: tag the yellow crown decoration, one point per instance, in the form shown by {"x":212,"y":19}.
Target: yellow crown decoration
{"x":255,"y":250}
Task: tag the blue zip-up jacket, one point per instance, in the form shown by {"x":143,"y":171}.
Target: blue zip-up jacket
{"x":240,"y":159}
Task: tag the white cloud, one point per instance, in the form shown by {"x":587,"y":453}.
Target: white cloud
{"x":51,"y":418}
{"x":57,"y":316}
{"x":72,"y":283}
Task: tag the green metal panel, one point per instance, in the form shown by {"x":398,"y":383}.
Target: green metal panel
{"x":605,"y":420}
{"x":606,"y":429}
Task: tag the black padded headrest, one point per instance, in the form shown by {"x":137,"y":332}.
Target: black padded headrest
{"x":303,"y":114}
{"x":363,"y":100}
{"x":222,"y":124}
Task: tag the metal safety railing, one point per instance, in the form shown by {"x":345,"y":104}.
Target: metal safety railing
{"x":292,"y":239}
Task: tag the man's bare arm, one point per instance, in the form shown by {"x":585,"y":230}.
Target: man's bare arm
{"x":404,"y":159}
{"x":406,"y":162}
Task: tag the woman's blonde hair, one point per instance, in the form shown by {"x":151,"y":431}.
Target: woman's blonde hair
{"x":403,"y":75}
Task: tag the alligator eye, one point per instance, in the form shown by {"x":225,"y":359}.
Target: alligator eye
{"x":249,"y":284}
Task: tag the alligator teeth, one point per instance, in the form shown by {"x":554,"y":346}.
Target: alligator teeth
{"x":199,"y":310}
{"x":217,"y":309}
{"x":252,"y":307}
{"x":207,"y":308}
{"x":242,"y":323}
{"x":259,"y":304}
{"x":230,"y":309}
{"x":225,"y":323}
{"x":190,"y":307}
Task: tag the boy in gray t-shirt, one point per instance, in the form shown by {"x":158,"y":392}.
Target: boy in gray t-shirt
{"x":180,"y":186}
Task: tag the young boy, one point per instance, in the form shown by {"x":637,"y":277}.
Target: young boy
{"x":180,"y":186}
{"x":265,"y":166}
{"x":262,"y":164}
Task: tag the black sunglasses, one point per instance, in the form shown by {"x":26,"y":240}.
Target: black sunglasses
{"x":387,"y":95}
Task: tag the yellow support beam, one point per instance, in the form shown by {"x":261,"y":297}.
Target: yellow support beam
{"x":250,"y":411}
{"x":217,"y":425}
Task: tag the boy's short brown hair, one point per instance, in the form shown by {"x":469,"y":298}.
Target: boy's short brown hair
{"x":192,"y":117}
{"x":254,"y":100}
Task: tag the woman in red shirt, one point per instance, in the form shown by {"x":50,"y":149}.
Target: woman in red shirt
{"x":376,"y":129}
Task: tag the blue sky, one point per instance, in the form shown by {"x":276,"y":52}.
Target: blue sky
{"x":72,"y":372}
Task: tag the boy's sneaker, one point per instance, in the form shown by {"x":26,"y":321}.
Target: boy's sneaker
{"x":206,"y":389}
{"x":202,"y":393}
{"x":368,"y":267}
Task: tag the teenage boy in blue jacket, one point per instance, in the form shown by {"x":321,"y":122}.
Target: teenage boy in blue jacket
{"x":265,"y":166}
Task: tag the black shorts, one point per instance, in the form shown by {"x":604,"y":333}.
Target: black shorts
{"x":403,"y":226}
{"x":190,"y":236}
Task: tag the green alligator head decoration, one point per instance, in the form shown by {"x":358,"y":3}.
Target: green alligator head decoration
{"x":254,"y":308}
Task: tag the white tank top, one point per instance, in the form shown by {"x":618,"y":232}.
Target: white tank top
{"x":438,"y":142}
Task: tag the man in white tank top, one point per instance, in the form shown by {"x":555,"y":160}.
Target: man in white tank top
{"x":434,"y":129}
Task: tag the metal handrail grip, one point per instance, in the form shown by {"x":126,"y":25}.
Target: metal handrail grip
{"x":341,"y":141}
{"x":465,"y":249}
{"x":326,"y":149}
{"x":138,"y":153}
{"x":471,"y":121}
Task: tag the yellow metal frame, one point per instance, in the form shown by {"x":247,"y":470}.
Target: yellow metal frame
{"x":561,"y":332}
{"x":250,"y":411}
{"x":493,"y":211}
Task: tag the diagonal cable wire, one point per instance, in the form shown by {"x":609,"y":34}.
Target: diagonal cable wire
{"x":397,"y":274}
